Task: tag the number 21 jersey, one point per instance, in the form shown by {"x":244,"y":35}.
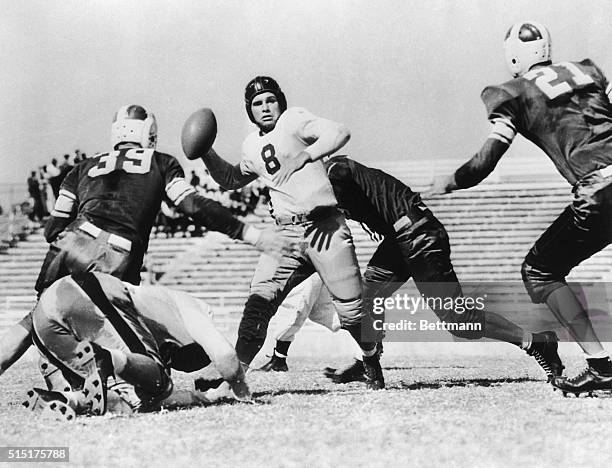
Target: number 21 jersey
{"x":562,"y":108}
{"x":264,"y":154}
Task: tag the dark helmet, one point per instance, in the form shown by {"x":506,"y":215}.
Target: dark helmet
{"x":263,"y":84}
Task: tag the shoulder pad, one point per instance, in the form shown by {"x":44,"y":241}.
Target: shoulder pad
{"x":494,"y":96}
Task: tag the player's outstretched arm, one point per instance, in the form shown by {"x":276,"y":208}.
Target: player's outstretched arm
{"x":328,"y":136}
{"x":197,"y":320}
{"x":214,"y":216}
{"x":472,"y":172}
{"x":228,"y":176}
{"x":13,"y":344}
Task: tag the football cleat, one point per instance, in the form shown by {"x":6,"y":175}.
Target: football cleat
{"x":544,"y":350}
{"x":352,"y":373}
{"x":588,"y":381}
{"x":54,"y":379}
{"x":97,"y":363}
{"x":373,"y":372}
{"x":276,"y":364}
{"x":51,"y":404}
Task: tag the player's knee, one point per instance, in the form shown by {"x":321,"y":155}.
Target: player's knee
{"x":539,"y":281}
{"x":349,"y":311}
{"x":257,"y":314}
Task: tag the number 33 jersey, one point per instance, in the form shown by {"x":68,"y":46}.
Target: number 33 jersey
{"x":264,"y":154}
{"x":121,"y":191}
{"x":563,"y":108}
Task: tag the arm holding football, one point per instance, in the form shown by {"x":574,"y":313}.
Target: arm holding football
{"x":227,"y":175}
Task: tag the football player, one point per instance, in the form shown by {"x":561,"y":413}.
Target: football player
{"x":564,"y":109}
{"x":106,"y":207}
{"x":116,"y":343}
{"x":415,"y":245}
{"x":285,"y":152}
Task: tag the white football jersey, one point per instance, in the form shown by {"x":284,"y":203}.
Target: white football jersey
{"x":264,"y":155}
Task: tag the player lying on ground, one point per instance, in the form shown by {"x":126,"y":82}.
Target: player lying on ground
{"x":564,"y":108}
{"x":107,"y":205}
{"x":285,"y":152}
{"x":416,"y":246}
{"x":115,"y":343}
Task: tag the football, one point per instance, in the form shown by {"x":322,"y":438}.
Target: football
{"x":199,"y":132}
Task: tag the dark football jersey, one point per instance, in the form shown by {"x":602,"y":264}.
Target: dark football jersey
{"x":121,"y":191}
{"x":371,"y":196}
{"x":562,"y":108}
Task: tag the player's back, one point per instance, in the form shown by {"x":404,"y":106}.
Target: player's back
{"x":563,"y":108}
{"x":370,"y":196}
{"x":121,"y":191}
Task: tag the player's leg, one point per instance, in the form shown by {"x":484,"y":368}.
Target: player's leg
{"x":272,"y":281}
{"x":426,"y":251}
{"x":330,"y":248}
{"x":301,"y":301}
{"x":584,"y":228}
{"x":67,"y":318}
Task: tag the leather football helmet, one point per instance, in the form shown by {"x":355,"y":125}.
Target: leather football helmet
{"x":263,"y":84}
{"x":526,"y":44}
{"x":134,"y":124}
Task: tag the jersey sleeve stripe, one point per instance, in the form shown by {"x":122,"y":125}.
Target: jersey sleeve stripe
{"x":60,"y":214}
{"x":63,"y":205}
{"x":67,"y":194}
{"x":503,"y":130}
{"x":178,"y":189}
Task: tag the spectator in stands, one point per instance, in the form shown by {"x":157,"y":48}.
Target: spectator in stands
{"x":55,"y":180}
{"x":38,"y":207}
{"x":45,"y":190}
{"x":65,"y":167}
{"x":195,"y":180}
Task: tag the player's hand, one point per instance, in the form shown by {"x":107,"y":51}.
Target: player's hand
{"x":291,"y":165}
{"x":441,"y":184}
{"x":274,"y":242}
{"x":322,"y":233}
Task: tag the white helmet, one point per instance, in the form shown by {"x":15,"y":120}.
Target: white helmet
{"x":133,"y":124}
{"x":526,"y":44}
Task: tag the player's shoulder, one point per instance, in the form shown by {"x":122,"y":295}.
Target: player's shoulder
{"x":295,"y":115}
{"x":494,"y":96}
{"x":165,"y":160}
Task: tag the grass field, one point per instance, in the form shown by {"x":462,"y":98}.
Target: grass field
{"x":438,"y":410}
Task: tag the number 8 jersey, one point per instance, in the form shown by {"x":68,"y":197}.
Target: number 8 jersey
{"x":264,"y":154}
{"x":563,"y":108}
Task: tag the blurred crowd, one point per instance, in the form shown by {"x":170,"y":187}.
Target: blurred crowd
{"x":44,"y":184}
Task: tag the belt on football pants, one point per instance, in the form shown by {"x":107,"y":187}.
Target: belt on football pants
{"x":102,"y":235}
{"x":318,"y":213}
